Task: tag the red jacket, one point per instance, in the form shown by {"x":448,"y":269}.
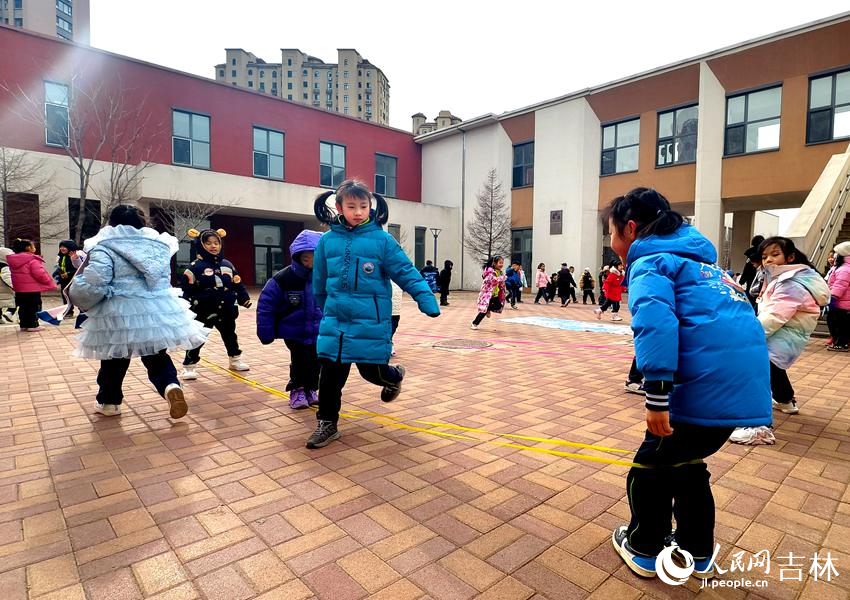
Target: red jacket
{"x":28,"y":273}
{"x":613,"y":287}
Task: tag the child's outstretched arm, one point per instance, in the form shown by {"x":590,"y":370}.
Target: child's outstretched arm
{"x":402,"y":271}
{"x":320,"y":274}
{"x":652,"y":301}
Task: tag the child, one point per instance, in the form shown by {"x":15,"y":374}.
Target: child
{"x":542,"y":282}
{"x":212,"y":286}
{"x":552,"y":288}
{"x":513,"y":283}
{"x":492,"y":295}
{"x":613,"y":288}
{"x":65,"y":268}
{"x":587,"y":286}
{"x":523,"y":283}
{"x":287,"y":310}
{"x":125,"y":288}
{"x":29,"y":279}
{"x":353,"y":266}
{"x":601,"y":276}
{"x":430,"y":273}
{"x":445,"y":280}
{"x":691,"y":323}
{"x":7,"y":292}
{"x":838,"y":317}
{"x":565,"y":284}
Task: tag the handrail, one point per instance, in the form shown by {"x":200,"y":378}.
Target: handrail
{"x":833,"y":222}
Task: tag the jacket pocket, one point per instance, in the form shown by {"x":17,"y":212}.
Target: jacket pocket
{"x":356,"y":273}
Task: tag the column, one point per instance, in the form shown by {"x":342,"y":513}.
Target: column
{"x":712,"y":117}
{"x":742,"y":233}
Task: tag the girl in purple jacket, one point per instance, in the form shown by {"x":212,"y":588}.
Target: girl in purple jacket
{"x":288,"y":310}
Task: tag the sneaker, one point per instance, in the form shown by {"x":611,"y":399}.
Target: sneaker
{"x":634,"y":387}
{"x":237,"y":364}
{"x":598,"y":313}
{"x":313,"y":398}
{"x":298,"y":399}
{"x":176,"y":401}
{"x":616,"y":317}
{"x":753,"y":436}
{"x":107,"y":410}
{"x":835,"y":348}
{"x":703,"y":567}
{"x":513,"y":306}
{"x":325,"y":433}
{"x":473,"y":326}
{"x":45,"y":316}
{"x":32,"y":329}
{"x":189,"y":373}
{"x":391,"y":392}
{"x":641,"y":565}
{"x":789,"y":408}
{"x":7,"y":316}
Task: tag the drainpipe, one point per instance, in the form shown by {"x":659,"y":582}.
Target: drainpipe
{"x":462,"y":206}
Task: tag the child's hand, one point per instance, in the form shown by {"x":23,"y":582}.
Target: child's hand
{"x":658,"y":422}
{"x":246,"y":304}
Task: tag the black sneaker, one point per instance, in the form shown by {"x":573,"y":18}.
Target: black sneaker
{"x":325,"y":433}
{"x":391,"y":392}
{"x":640,"y":564}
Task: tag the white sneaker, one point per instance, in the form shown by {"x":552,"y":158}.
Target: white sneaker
{"x":176,"y":401}
{"x":753,"y":436}
{"x":237,"y":364}
{"x":473,"y":326}
{"x":189,"y":373}
{"x":616,"y":317}
{"x":107,"y":410}
{"x":634,"y":387}
{"x":598,"y":313}
{"x":789,"y":408}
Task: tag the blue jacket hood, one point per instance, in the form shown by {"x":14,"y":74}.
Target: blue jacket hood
{"x":306,"y":241}
{"x":686,"y":242}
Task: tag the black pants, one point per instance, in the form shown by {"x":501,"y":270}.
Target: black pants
{"x":838,"y":320}
{"x":513,"y":295}
{"x":333,"y":377}
{"x":670,"y":488}
{"x":564,"y":296}
{"x":395,"y":319}
{"x":615,"y":304}
{"x":110,"y":377}
{"x":588,"y":294}
{"x":572,"y":291}
{"x":303,"y":366}
{"x":635,"y":376}
{"x":780,"y":385}
{"x":519,"y":294}
{"x":29,"y":303}
{"x":495,"y":305}
{"x":227,"y":329}
{"x":541,"y":293}
{"x":444,"y":296}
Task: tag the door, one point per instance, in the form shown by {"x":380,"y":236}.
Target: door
{"x":268,"y":253}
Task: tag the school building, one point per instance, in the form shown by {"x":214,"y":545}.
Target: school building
{"x":758,"y":126}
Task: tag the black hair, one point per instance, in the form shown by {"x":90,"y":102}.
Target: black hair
{"x":428,"y":262}
{"x":541,"y":265}
{"x":71,"y":245}
{"x":615,"y":262}
{"x":757,"y":240}
{"x":646,"y":207}
{"x":492,"y":261}
{"x":20,"y":245}
{"x":788,"y":248}
{"x":353,"y":188}
{"x":127,"y":214}
{"x":210,"y":233}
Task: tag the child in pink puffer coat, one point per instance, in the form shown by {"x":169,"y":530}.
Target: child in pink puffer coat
{"x":29,"y":279}
{"x":838,"y":317}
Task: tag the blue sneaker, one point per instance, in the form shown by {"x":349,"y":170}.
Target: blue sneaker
{"x":641,"y":565}
{"x":703,"y":567}
{"x":47,"y":317}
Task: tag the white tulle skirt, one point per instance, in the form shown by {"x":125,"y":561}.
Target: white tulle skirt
{"x":124,"y":327}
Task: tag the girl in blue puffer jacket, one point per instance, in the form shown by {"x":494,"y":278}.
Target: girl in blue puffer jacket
{"x":287,"y":310}
{"x":352,"y":268}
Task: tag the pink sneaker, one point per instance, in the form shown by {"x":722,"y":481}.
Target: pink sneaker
{"x":313,"y":398}
{"x":298,"y":399}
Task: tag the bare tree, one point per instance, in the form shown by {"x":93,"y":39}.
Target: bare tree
{"x":488,"y":234}
{"x":178,"y":215}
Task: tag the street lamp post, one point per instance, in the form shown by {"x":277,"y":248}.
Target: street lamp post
{"x":435,"y":232}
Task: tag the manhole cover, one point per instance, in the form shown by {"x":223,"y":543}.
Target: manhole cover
{"x":462,"y":344}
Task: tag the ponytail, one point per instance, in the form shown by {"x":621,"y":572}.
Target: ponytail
{"x":382,"y":211}
{"x":349,"y":187}
{"x":321,"y":209}
{"x":649,"y":209}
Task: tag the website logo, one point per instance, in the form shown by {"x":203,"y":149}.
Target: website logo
{"x":674,"y":570}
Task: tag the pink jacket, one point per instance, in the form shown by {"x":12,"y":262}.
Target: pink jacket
{"x":28,"y":273}
{"x":489,"y":283}
{"x":542,"y":279}
{"x":839,"y":286}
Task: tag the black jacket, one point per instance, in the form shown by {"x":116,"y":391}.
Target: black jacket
{"x":212,"y":286}
{"x":565,"y":281}
{"x":445,"y":277}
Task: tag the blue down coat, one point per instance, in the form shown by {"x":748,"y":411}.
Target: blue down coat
{"x":351,"y":279}
{"x":287,"y":308}
{"x":694,"y":326}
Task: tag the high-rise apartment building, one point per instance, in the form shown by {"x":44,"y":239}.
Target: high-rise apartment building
{"x":351,"y":86}
{"x":67,"y":19}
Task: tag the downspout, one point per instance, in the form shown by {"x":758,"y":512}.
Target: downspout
{"x":462,"y":205}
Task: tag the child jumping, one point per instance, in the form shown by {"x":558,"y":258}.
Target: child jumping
{"x":613,"y":288}
{"x":352,"y":269}
{"x":29,"y":279}
{"x":212,"y":286}
{"x":691,"y":323}
{"x":287,"y":310}
{"x":492,"y":295}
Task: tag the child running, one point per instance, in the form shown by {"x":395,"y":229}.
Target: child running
{"x":287,"y":310}
{"x":693,"y":324}
{"x":352,"y":269}
{"x":613,"y":288}
{"x":29,"y":279}
{"x":587,"y":286}
{"x":492,"y":296}
{"x":212,"y":286}
{"x":541,"y":280}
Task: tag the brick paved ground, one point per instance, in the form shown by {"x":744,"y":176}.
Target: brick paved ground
{"x":227,"y":504}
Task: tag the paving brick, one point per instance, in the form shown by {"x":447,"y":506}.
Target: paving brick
{"x":224,"y":584}
{"x":53,"y":574}
{"x":333,"y":583}
{"x":159,"y":573}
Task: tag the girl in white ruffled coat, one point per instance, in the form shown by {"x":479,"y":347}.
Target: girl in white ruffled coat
{"x":125,"y":288}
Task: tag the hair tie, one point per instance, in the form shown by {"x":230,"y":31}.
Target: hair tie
{"x":658,"y":214}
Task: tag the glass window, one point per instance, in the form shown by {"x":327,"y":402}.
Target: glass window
{"x":677,"y":136}
{"x":385,"y":175}
{"x":419,"y":247}
{"x":233,"y":72}
{"x":620,"y":144}
{"x":64,"y":24}
{"x":523,"y":170}
{"x":394,"y":230}
{"x":190,"y":141}
{"x":268,"y":153}
{"x":829,"y":108}
{"x":250,"y":72}
{"x":64,"y":7}
{"x":56,"y":116}
{"x":331,"y":164}
{"x":267,"y":235}
{"x":752,"y":122}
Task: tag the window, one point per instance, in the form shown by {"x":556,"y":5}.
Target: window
{"x":316,"y":74}
{"x":289,"y":64}
{"x":345,"y":62}
{"x":304,"y":96}
{"x":64,"y":7}
{"x":56,"y":103}
{"x":345,"y":86}
{"x":233,"y":61}
{"x":91,"y":222}
{"x":250,"y":84}
{"x":419,"y":247}
{"x":289,"y":73}
{"x":289,"y":96}
{"x":368,"y":73}
{"x":233,"y":73}
{"x":345,"y":74}
{"x":330,"y":75}
{"x":262,"y":74}
{"x":620,"y":147}
{"x":677,"y":136}
{"x":829,"y":108}
{"x":19,"y":22}
{"x":385,"y":175}
{"x":394,"y":229}
{"x":19,"y":4}
{"x":190,"y":139}
{"x":316,"y":86}
{"x":274,"y":74}
{"x":345,"y":110}
{"x":304,"y":72}
{"x":345,"y":98}
{"x":368,"y":85}
{"x":289,"y":87}
{"x":262,"y":86}
{"x":64,"y":25}
{"x":250,"y":72}
{"x":331,"y":164}
{"x":221,"y":72}
{"x":303,"y":84}
{"x":316,"y":97}
{"x":523,"y":164}
{"x":268,"y":153}
{"x":752,"y":122}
